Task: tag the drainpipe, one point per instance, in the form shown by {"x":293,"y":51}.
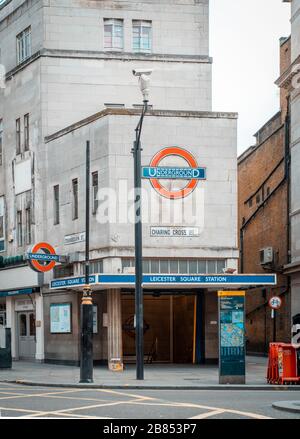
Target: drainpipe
{"x":288,"y":180}
{"x":287,"y":176}
{"x":242,"y":250}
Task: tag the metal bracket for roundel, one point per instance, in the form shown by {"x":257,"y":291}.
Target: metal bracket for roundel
{"x":42,"y":257}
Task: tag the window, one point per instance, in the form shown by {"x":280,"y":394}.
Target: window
{"x":95,"y":191}
{"x":142,"y":37}
{"x":26,"y":132}
{"x":257,"y":198}
{"x":56,"y":204}
{"x":32,"y":325}
{"x":113,"y":34}
{"x":23,"y":325}
{"x":2,"y":224}
{"x":96,"y":266}
{"x":28,"y":226}
{"x":181,"y":266}
{"x":19,"y":228}
{"x":24,"y":45}
{"x":75,"y":198}
{"x":1,"y":142}
{"x":18,"y":136}
{"x":211,"y":267}
{"x":251,"y":202}
{"x":61,"y":271}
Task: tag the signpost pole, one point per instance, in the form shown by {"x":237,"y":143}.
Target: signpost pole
{"x":139,"y":300}
{"x":86,"y":353}
{"x":274,"y":325}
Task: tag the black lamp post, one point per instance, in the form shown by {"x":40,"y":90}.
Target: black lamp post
{"x":139,"y":299}
{"x":86,"y":340}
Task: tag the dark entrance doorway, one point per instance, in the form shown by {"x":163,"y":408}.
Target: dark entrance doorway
{"x":169,"y":328}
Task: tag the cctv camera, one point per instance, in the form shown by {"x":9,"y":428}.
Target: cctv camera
{"x":140,"y":72}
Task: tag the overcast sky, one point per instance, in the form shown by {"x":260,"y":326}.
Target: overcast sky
{"x":244,"y":43}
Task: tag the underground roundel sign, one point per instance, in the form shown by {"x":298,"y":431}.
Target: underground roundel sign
{"x":174,"y":163}
{"x":42,"y":257}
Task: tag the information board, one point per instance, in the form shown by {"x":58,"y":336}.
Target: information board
{"x":60,"y":318}
{"x":232,"y":337}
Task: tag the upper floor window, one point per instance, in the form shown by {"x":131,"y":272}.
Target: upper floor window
{"x":26,"y":132}
{"x":142,"y":36}
{"x":24,"y":45}
{"x":28,"y":226}
{"x":113,"y":34}
{"x":178,"y":266}
{"x":2,"y":224}
{"x":18,"y":136}
{"x":1,"y":142}
{"x":75,"y":198}
{"x":95,"y":191}
{"x":19,"y":228}
{"x":56,"y":204}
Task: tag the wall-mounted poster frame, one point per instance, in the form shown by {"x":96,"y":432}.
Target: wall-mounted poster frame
{"x":60,"y":318}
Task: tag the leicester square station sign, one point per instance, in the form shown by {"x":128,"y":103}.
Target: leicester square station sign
{"x":156,"y":173}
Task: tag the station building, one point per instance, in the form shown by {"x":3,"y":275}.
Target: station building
{"x":69,"y":80}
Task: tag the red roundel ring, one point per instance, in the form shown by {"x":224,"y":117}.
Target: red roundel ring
{"x":188,"y":189}
{"x":37,"y":265}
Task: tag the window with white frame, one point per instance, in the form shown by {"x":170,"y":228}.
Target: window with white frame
{"x":142,"y":36}
{"x":2,"y":224}
{"x":1,"y":142}
{"x":113,"y":34}
{"x":24,"y":45}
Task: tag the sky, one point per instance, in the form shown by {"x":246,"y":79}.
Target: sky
{"x":244,"y":44}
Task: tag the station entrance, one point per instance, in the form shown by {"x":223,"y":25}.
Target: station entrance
{"x":169,"y":328}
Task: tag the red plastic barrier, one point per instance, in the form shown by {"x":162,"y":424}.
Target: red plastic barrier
{"x":282,"y":364}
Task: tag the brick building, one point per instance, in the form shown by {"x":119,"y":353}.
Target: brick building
{"x":263,"y":200}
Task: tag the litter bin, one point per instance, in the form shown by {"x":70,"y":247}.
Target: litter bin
{"x":5,"y":353}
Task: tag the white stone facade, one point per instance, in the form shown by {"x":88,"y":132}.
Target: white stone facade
{"x":65,"y":87}
{"x":294,"y":267}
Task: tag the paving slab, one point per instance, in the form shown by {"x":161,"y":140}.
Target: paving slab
{"x":157,"y":376}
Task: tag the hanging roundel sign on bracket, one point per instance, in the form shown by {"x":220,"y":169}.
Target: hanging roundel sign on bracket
{"x":42,"y":257}
{"x":157,"y":173}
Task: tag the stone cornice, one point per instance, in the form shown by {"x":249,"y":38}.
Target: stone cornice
{"x":137,"y":112}
{"x":285,"y":80}
{"x":108,"y":56}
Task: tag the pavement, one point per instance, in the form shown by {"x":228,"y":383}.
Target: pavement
{"x":287,"y":406}
{"x":157,"y":376}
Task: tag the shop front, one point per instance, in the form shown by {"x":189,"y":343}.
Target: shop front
{"x":21,"y":309}
{"x":181,"y":318}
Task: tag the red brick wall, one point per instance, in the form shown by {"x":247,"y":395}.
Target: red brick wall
{"x":268,"y":228}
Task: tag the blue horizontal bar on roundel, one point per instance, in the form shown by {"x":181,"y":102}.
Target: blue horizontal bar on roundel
{"x":174,"y":173}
